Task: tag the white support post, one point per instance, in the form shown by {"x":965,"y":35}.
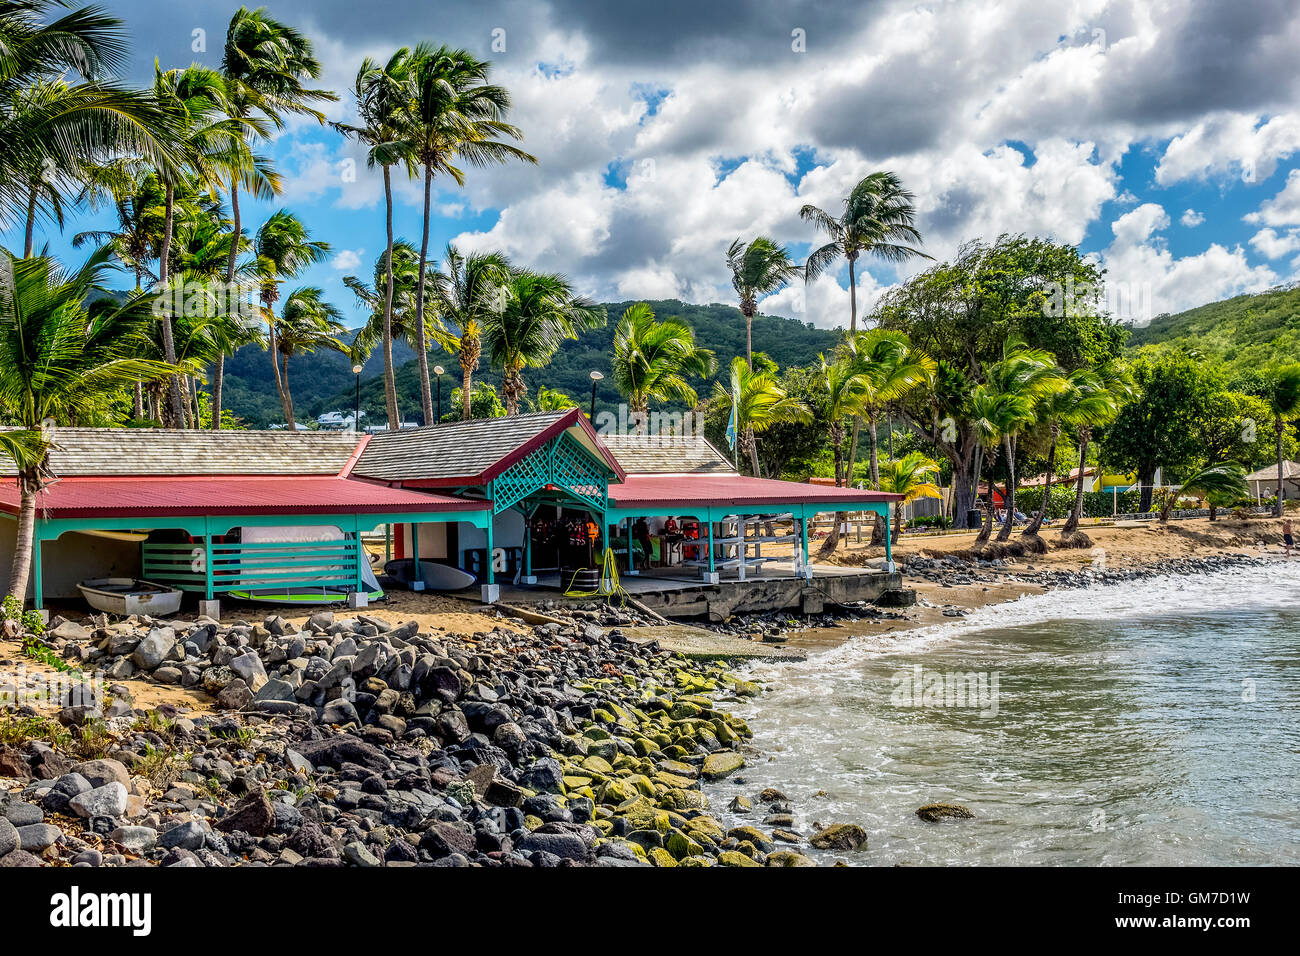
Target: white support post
{"x":210,"y":609}
{"x":358,"y":599}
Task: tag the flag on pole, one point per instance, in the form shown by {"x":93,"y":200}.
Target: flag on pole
{"x":731,"y":421}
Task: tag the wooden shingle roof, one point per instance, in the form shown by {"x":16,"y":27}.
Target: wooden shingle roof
{"x":468,"y":453}
{"x":649,"y":455}
{"x":166,"y":451}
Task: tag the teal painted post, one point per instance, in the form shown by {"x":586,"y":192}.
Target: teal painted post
{"x":710,"y":518}
{"x":803,"y":537}
{"x":415,"y":552}
{"x":38,"y":586}
{"x":207,"y":566}
{"x":361,"y":551}
{"x":631,"y":567}
{"x":889,"y":551}
{"x":490,"y":573}
{"x":528,"y":543}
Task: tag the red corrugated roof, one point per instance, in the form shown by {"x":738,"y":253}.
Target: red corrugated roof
{"x":728,"y":491}
{"x":245,"y":495}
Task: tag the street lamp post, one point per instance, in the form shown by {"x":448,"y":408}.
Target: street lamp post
{"x":438,"y":370}
{"x":595,"y":377}
{"x":356,"y":405}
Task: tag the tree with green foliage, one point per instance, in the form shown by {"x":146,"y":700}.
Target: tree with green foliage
{"x":59,"y":356}
{"x":653,"y":359}
{"x":283,"y":249}
{"x":541,"y":312}
{"x":455,"y":116}
{"x":961,"y":312}
{"x":1224,"y":480}
{"x":1160,"y":428}
{"x":307,"y":323}
{"x":471,"y":290}
{"x":759,"y":267}
{"x":1281,"y":390}
{"x":383,"y":103}
{"x":911,"y":476}
{"x":760,"y":402}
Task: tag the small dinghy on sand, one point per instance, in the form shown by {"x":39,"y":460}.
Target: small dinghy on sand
{"x":436,"y":577}
{"x":127,"y":596}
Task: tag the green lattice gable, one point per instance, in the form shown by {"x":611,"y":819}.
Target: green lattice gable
{"x":562,"y":463}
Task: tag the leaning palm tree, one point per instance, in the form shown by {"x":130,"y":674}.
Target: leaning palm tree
{"x":1226,"y":481}
{"x":541,"y":312}
{"x":455,"y":116}
{"x":877,"y":221}
{"x":1024,"y":375}
{"x":757,"y":269}
{"x":1119,"y":389}
{"x":472,"y":290}
{"x":653,"y":359}
{"x":847,"y":391}
{"x":53,"y":125}
{"x":910,"y":476}
{"x":58,"y":356}
{"x":307,"y":323}
{"x":283,"y":249}
{"x":383,"y":98}
{"x":1084,"y":402}
{"x":402,"y":324}
{"x":212,"y":147}
{"x":893,"y":367}
{"x":993,"y":414}
{"x":758,"y":401}
{"x":1282,"y":392}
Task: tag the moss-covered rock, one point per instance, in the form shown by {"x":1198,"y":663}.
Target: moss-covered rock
{"x":934,"y":812}
{"x":732,"y":858}
{"x":840,"y":836}
{"x":719,"y":765}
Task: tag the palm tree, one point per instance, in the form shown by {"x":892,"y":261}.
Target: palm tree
{"x":138,"y":199}
{"x":1084,"y":402}
{"x":283,"y":249}
{"x":471,"y":291}
{"x":1282,"y":392}
{"x":58,"y":356}
{"x":652,"y":359}
{"x":211,"y":146}
{"x":383,"y":109}
{"x":760,"y":402}
{"x":402,"y":324}
{"x":307,"y":323}
{"x":847,"y":390}
{"x":53,"y":129}
{"x":757,"y":269}
{"x":1225,"y":480}
{"x":1022,"y":379}
{"x":552,"y":400}
{"x":454,"y":116}
{"x":541,"y":311}
{"x":877,"y":220}
{"x":1118,"y":385}
{"x":909,"y":476}
{"x":892,"y":368}
{"x":265,"y":65}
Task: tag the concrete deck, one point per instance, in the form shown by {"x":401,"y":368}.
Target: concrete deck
{"x":679,"y":593}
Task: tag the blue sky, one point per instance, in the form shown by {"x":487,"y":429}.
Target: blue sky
{"x":1168,"y":147}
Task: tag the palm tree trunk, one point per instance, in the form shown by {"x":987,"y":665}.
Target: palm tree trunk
{"x":218,"y":379}
{"x":749,"y":341}
{"x":421,"y":349}
{"x":30,"y":235}
{"x":751,"y":449}
{"x":837,"y":446}
{"x":466,"y":380}
{"x":1277,"y":506}
{"x":986,"y":526}
{"x":21,"y":567}
{"x":137,"y":404}
{"x":1076,"y":513}
{"x":1010,"y":487}
{"x":979,"y":460}
{"x":1047,"y":491}
{"x":851,"y":466}
{"x":853,"y":296}
{"x":879,"y":525}
{"x":288,"y":398}
{"x":390,"y":381}
{"x":169,"y":342}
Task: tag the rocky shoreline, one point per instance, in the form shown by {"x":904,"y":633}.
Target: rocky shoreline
{"x":352,"y":741}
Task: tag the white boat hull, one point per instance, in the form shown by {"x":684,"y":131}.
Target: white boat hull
{"x":127,"y":596}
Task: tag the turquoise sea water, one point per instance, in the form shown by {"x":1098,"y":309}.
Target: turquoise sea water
{"x":1147,"y":723}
